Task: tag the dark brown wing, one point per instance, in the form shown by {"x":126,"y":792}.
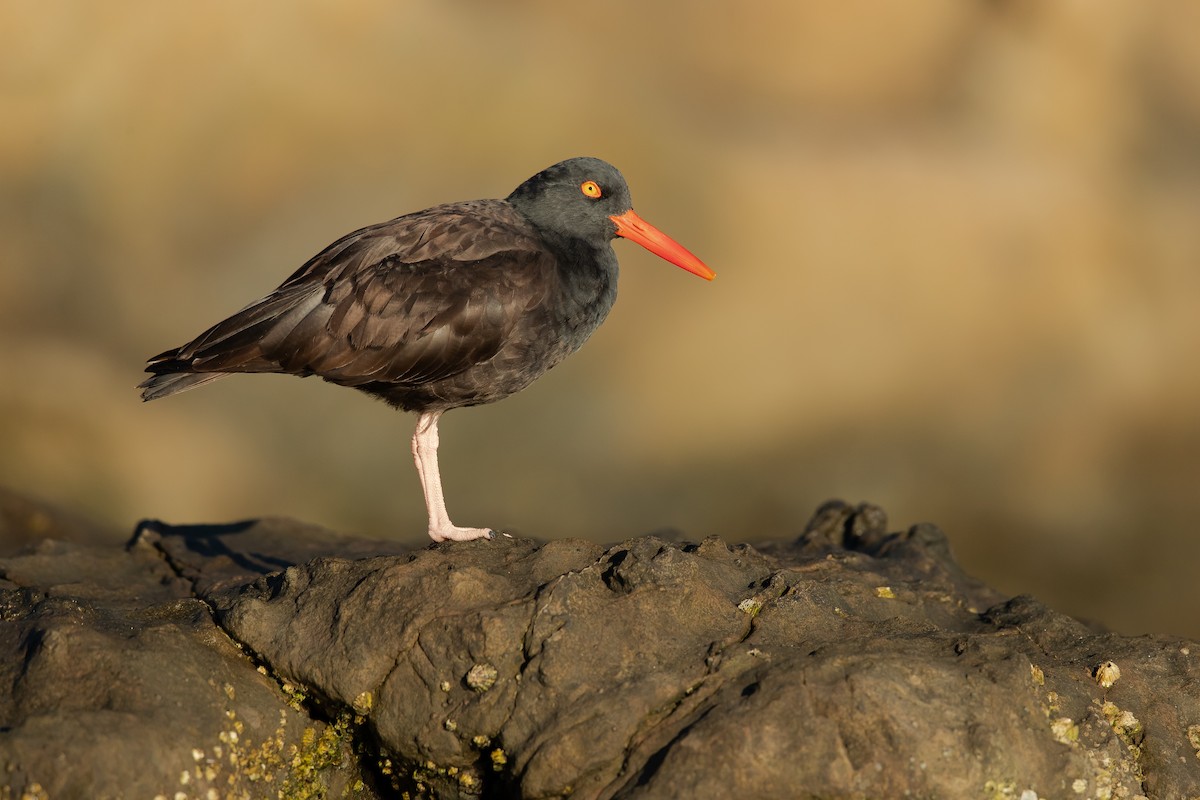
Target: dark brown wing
{"x":417,"y":299}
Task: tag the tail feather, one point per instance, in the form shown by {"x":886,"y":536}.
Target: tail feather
{"x":170,"y":383}
{"x":241,"y":343}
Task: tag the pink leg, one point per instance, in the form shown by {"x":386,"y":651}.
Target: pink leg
{"x":424,"y":447}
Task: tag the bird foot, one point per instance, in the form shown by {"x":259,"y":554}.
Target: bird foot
{"x":453,"y":533}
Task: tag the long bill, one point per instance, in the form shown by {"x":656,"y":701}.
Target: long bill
{"x":636,"y":229}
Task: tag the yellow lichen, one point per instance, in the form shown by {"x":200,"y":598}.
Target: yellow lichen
{"x":1193,"y":737}
{"x":885,"y":592}
{"x":1036,"y":673}
{"x":1065,"y":730}
{"x":1123,"y":722}
{"x":750,"y":606}
{"x":1000,"y":790}
{"x":228,"y":769}
{"x":288,"y":770}
{"x":363,"y":703}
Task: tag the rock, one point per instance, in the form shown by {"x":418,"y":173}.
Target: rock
{"x":122,"y":685}
{"x":851,"y":662}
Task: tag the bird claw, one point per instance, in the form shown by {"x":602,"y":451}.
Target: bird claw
{"x":453,"y":533}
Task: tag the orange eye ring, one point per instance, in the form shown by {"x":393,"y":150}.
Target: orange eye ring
{"x":591,"y":189}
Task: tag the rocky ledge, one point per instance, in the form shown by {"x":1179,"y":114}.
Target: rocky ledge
{"x":273,"y":659}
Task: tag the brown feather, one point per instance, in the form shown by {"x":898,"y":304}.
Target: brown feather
{"x":400,"y":303}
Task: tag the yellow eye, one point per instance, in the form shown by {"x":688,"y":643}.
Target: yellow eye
{"x":591,"y":189}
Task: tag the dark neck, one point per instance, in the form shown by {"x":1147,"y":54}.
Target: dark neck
{"x":587,"y":285}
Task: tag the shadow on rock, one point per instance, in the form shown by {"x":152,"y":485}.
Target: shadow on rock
{"x":218,"y":555}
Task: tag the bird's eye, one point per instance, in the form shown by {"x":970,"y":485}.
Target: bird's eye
{"x":591,"y":189}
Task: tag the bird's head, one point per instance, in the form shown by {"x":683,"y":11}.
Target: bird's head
{"x":588,"y":199}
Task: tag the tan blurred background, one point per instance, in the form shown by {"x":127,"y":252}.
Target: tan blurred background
{"x":957,"y":247}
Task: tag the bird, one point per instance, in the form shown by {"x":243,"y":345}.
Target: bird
{"x":458,"y":305}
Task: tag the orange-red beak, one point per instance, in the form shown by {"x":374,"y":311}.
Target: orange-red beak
{"x":636,"y":229}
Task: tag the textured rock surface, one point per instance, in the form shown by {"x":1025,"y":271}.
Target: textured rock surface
{"x":848,"y":663}
{"x":120,"y":684}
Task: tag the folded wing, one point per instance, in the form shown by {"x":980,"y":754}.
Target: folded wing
{"x":417,"y":299}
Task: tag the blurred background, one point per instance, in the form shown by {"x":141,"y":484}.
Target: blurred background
{"x":957,"y":247}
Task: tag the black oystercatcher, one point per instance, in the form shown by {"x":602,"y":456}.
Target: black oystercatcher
{"x":456,"y":305}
